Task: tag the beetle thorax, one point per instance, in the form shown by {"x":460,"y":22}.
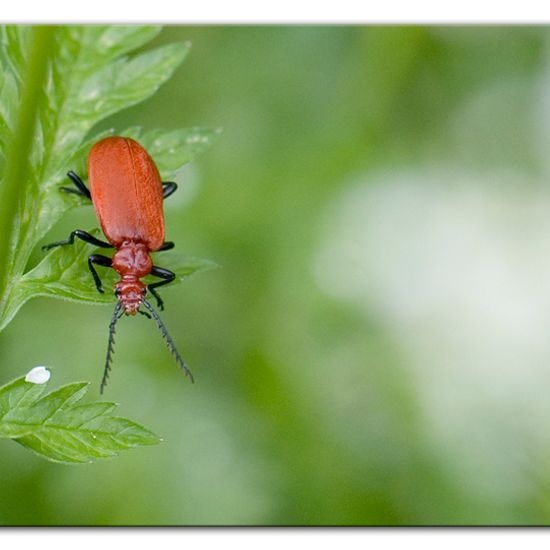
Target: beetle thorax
{"x":132,"y":262}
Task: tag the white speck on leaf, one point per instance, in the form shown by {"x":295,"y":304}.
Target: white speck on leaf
{"x":38,"y":375}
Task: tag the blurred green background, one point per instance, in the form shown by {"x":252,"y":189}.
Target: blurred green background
{"x":375,"y":346}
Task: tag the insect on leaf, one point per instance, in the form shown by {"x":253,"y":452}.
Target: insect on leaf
{"x":90,"y":74}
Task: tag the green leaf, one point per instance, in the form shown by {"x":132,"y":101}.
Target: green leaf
{"x":125,"y":82}
{"x":18,"y":394}
{"x":174,"y":148}
{"x":60,"y":428}
{"x":90,"y":73}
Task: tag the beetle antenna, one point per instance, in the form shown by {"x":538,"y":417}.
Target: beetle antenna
{"x":117,"y":314}
{"x":169,"y":342}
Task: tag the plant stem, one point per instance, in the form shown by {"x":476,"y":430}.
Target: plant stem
{"x":14,"y":180}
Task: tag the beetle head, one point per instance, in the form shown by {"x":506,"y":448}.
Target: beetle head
{"x":130,"y":295}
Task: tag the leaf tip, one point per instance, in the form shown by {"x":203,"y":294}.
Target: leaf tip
{"x":180,"y":49}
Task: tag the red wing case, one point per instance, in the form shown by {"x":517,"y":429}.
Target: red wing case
{"x":127,"y":192}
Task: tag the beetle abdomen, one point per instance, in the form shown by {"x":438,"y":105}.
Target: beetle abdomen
{"x":127,"y":192}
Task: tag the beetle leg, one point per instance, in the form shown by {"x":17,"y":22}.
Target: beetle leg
{"x":168,"y":245}
{"x":83,"y":235}
{"x":99,"y":260}
{"x":81,"y":188}
{"x":160,"y":303}
{"x":168,"y":187}
{"x":168,"y":277}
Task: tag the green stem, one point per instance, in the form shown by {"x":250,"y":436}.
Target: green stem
{"x":16,"y":168}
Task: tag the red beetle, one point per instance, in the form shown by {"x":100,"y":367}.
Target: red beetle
{"x":127,"y":194}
